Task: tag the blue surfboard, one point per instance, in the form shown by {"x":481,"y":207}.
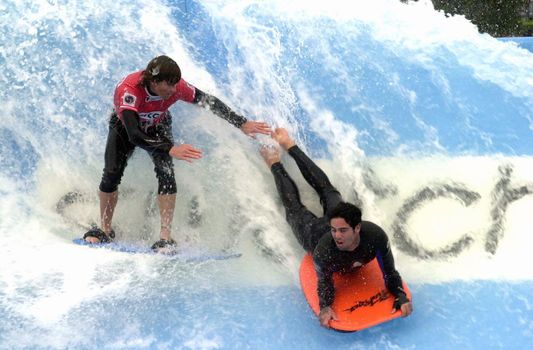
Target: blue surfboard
{"x":180,"y":254}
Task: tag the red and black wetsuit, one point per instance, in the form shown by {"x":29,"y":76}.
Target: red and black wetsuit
{"x":313,"y":232}
{"x":141,"y":118}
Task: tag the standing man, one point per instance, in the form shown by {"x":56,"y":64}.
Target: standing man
{"x":339,"y":240}
{"x":141,"y":119}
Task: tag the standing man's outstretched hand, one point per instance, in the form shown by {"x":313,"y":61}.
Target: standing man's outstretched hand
{"x":250,"y":128}
{"x":185,"y":152}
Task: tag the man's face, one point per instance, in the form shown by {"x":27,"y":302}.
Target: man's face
{"x":345,"y":237}
{"x":163,"y":89}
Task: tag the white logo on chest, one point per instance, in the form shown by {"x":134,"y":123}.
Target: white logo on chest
{"x":149,"y":119}
{"x":150,"y":116}
{"x":151,"y":98}
{"x":356,"y":264}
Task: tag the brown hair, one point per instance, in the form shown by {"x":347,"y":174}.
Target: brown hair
{"x":161,"y":68}
{"x":347,"y":211}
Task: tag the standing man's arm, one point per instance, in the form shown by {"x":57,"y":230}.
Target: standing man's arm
{"x":139,"y":138}
{"x":220,"y":109}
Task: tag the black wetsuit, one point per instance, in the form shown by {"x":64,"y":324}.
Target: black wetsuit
{"x":313,"y":232}
{"x":157,"y":140}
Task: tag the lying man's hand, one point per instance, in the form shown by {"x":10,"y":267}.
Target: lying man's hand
{"x":326,"y":314}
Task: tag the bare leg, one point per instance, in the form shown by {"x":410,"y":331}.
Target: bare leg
{"x":108,"y":202}
{"x":167,"y":203}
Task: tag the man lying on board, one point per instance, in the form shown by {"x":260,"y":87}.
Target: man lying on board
{"x":141,"y":119}
{"x":339,"y":240}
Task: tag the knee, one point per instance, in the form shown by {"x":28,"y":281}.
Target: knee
{"x":110,"y":181}
{"x":167,"y":186}
{"x":166,"y":179}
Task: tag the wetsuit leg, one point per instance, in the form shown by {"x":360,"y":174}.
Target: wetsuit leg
{"x":163,"y":163}
{"x":329,"y":196}
{"x":117,"y":152}
{"x":307,"y":228}
{"x":164,"y":170}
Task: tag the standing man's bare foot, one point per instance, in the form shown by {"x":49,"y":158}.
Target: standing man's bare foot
{"x":282,"y":137}
{"x":271,"y":155}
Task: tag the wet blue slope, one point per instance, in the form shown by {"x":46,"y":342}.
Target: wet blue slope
{"x":470,"y":115}
{"x":466,"y":315}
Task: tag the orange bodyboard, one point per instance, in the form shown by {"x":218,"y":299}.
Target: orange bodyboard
{"x":361,"y":298}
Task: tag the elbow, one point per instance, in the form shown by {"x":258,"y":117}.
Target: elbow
{"x":135,"y":138}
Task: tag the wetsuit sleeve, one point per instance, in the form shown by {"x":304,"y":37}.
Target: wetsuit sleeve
{"x":392,"y":278}
{"x":218,"y":107}
{"x":139,"y":138}
{"x":325,"y":287}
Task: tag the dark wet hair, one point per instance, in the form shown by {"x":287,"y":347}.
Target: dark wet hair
{"x":347,"y":211}
{"x":161,"y":68}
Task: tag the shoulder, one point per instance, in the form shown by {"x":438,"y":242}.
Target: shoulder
{"x":131,"y":83}
{"x":129,"y":94}
{"x":185,"y":91}
{"x":370,"y":227}
{"x":374,"y":235}
{"x":185,"y":85}
{"x":133,"y":79}
{"x":324,"y":250}
{"x":325,"y":241}
{"x":372,"y":231}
